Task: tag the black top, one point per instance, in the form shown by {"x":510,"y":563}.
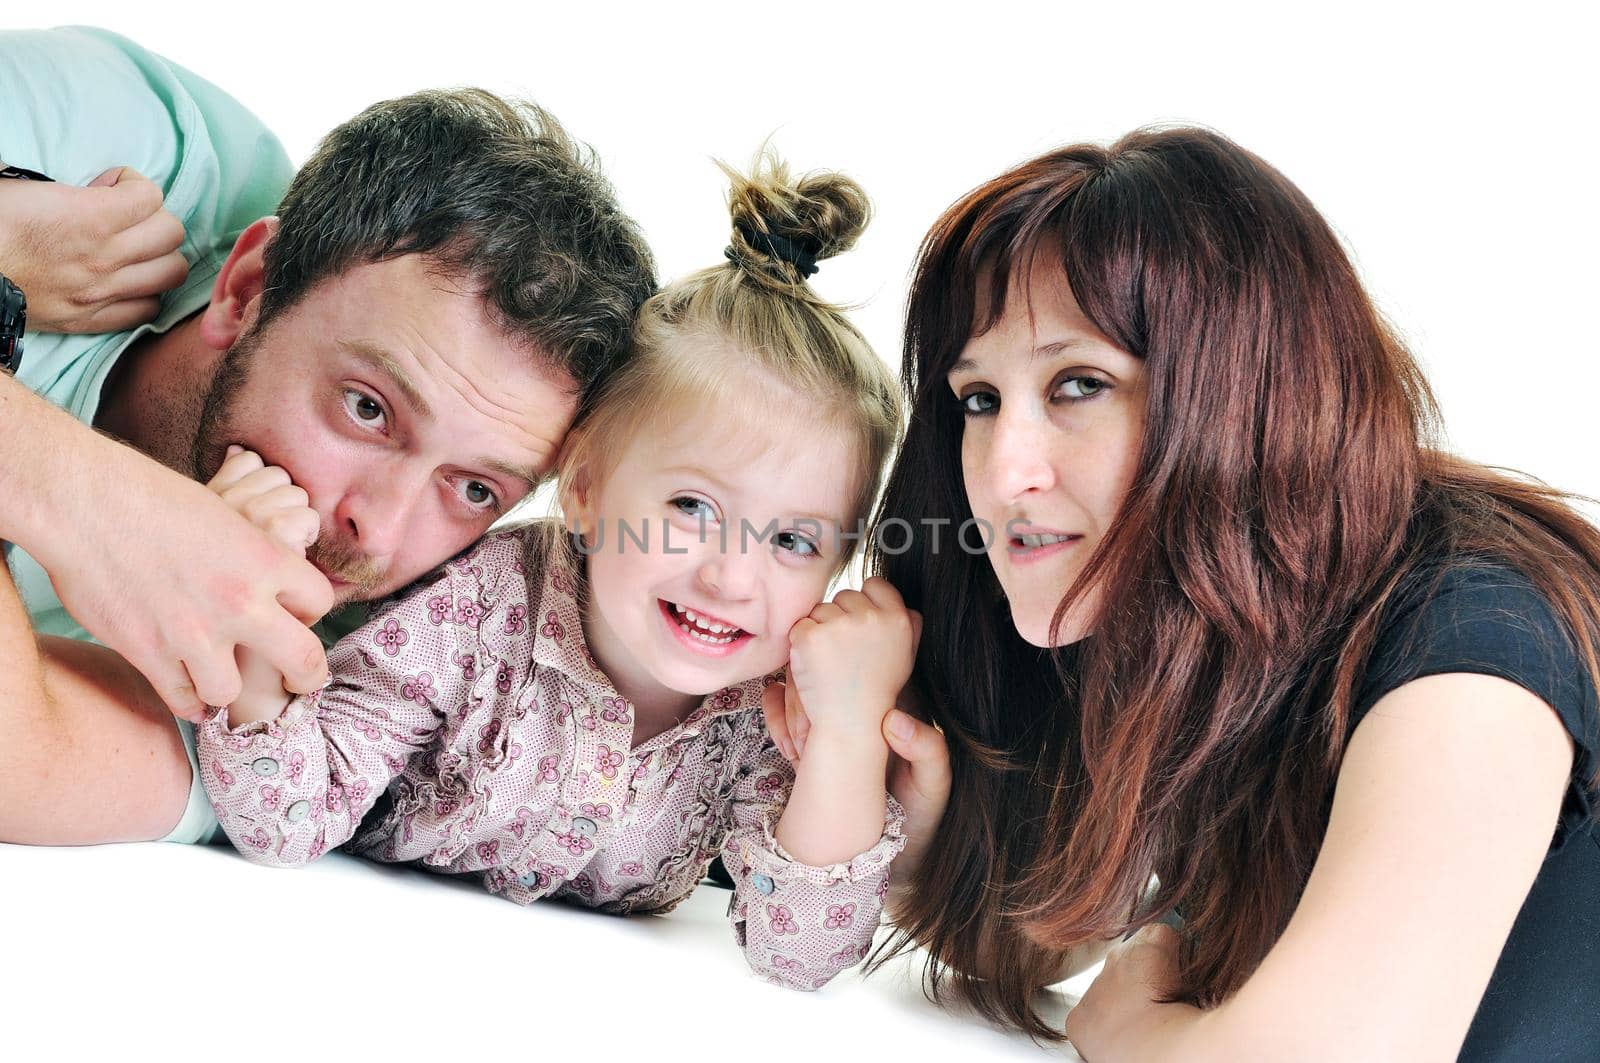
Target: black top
{"x":1543,"y":1002}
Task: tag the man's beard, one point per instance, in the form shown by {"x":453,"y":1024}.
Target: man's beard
{"x":336,"y":557}
{"x":211,"y":440}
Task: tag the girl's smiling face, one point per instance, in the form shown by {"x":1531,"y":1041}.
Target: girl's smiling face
{"x":708,"y":541}
{"x":1054,"y":417}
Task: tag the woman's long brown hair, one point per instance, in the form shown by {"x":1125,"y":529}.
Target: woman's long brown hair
{"x":1288,"y":485}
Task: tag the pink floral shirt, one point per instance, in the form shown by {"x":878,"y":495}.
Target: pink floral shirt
{"x":466,"y":727}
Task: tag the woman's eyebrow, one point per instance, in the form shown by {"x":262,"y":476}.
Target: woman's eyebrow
{"x":1044,"y":350}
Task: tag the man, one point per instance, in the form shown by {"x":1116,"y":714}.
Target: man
{"x":409,"y":339}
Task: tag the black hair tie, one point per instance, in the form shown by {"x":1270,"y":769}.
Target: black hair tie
{"x":779,"y":247}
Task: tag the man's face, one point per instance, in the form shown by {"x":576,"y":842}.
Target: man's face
{"x":407,"y":415}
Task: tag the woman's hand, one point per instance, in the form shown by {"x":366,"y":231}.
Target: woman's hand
{"x":919,"y":778}
{"x":1121,"y":1017}
{"x":92,"y":259}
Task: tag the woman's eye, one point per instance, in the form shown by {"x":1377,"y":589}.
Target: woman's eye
{"x":979,"y":402}
{"x":795,"y":543}
{"x":478,"y":494}
{"x":1082,"y":387}
{"x":362,"y":407}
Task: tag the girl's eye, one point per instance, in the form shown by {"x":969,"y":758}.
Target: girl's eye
{"x":795,"y":543}
{"x":698,"y":508}
{"x":978,"y":403}
{"x":363,"y":407}
{"x":1082,"y":387}
{"x":478,"y":494}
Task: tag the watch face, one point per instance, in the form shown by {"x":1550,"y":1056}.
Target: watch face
{"x":13,"y":322}
{"x":20,"y":173}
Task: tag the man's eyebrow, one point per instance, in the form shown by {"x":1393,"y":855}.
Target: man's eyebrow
{"x":521,"y":474}
{"x":384,"y":362}
{"x":1044,"y":350}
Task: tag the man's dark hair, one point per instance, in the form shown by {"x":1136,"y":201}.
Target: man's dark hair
{"x":498,"y":194}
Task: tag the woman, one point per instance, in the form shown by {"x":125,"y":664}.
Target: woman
{"x":1243,"y":653}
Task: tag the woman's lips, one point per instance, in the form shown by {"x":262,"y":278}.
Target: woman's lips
{"x":1034,"y":547}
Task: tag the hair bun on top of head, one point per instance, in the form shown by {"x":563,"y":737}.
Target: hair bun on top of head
{"x":783,"y":226}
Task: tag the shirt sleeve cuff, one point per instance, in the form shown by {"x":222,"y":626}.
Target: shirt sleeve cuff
{"x":764,"y":855}
{"x":261,"y":734}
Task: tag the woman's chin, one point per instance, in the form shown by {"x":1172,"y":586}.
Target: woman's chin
{"x":1036,"y":632}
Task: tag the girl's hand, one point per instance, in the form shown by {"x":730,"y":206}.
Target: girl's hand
{"x":92,"y":259}
{"x":1121,"y":1013}
{"x":849,"y":659}
{"x":919,"y":758}
{"x":265,"y":496}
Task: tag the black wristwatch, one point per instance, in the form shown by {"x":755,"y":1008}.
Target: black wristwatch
{"x":13,"y":322}
{"x":13,"y":306}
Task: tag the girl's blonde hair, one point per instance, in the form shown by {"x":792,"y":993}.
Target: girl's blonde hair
{"x":724,"y":336}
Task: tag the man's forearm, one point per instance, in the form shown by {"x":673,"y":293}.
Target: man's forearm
{"x":48,"y":461}
{"x":35,"y":437}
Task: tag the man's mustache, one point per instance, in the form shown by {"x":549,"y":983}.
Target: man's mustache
{"x":340,"y":559}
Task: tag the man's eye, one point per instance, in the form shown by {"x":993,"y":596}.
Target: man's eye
{"x":362,"y":407}
{"x":478,"y":494}
{"x":980,"y":402}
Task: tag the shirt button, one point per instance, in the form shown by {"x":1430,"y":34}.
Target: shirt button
{"x":529,"y":881}
{"x":264,"y":766}
{"x":763,"y":884}
{"x":584,"y":827}
{"x":297,"y":811}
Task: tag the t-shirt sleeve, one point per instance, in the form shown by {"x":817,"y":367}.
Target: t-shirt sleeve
{"x":1487,"y":619}
{"x":79,"y":100}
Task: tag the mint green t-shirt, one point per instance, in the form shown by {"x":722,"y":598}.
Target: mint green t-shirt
{"x":77,"y":101}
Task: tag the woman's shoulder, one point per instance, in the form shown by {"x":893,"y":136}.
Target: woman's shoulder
{"x":1468,"y":609}
{"x":1482,"y":615}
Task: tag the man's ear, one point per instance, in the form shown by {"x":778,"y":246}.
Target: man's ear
{"x":236,"y":296}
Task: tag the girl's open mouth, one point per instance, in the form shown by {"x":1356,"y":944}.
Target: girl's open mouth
{"x":700,"y":632}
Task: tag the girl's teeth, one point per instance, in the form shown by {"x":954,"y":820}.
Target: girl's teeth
{"x":703,"y":629}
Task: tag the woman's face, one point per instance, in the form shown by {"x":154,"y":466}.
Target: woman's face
{"x":1054,"y":417}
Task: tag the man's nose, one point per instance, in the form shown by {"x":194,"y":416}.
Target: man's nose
{"x":379,"y":508}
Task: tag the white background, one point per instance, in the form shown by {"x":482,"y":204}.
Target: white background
{"x":1451,"y":146}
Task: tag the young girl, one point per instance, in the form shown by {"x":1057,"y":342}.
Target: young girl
{"x":583,"y":719}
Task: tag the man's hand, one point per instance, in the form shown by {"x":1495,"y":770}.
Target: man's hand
{"x":90,"y":259}
{"x":163,"y":571}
